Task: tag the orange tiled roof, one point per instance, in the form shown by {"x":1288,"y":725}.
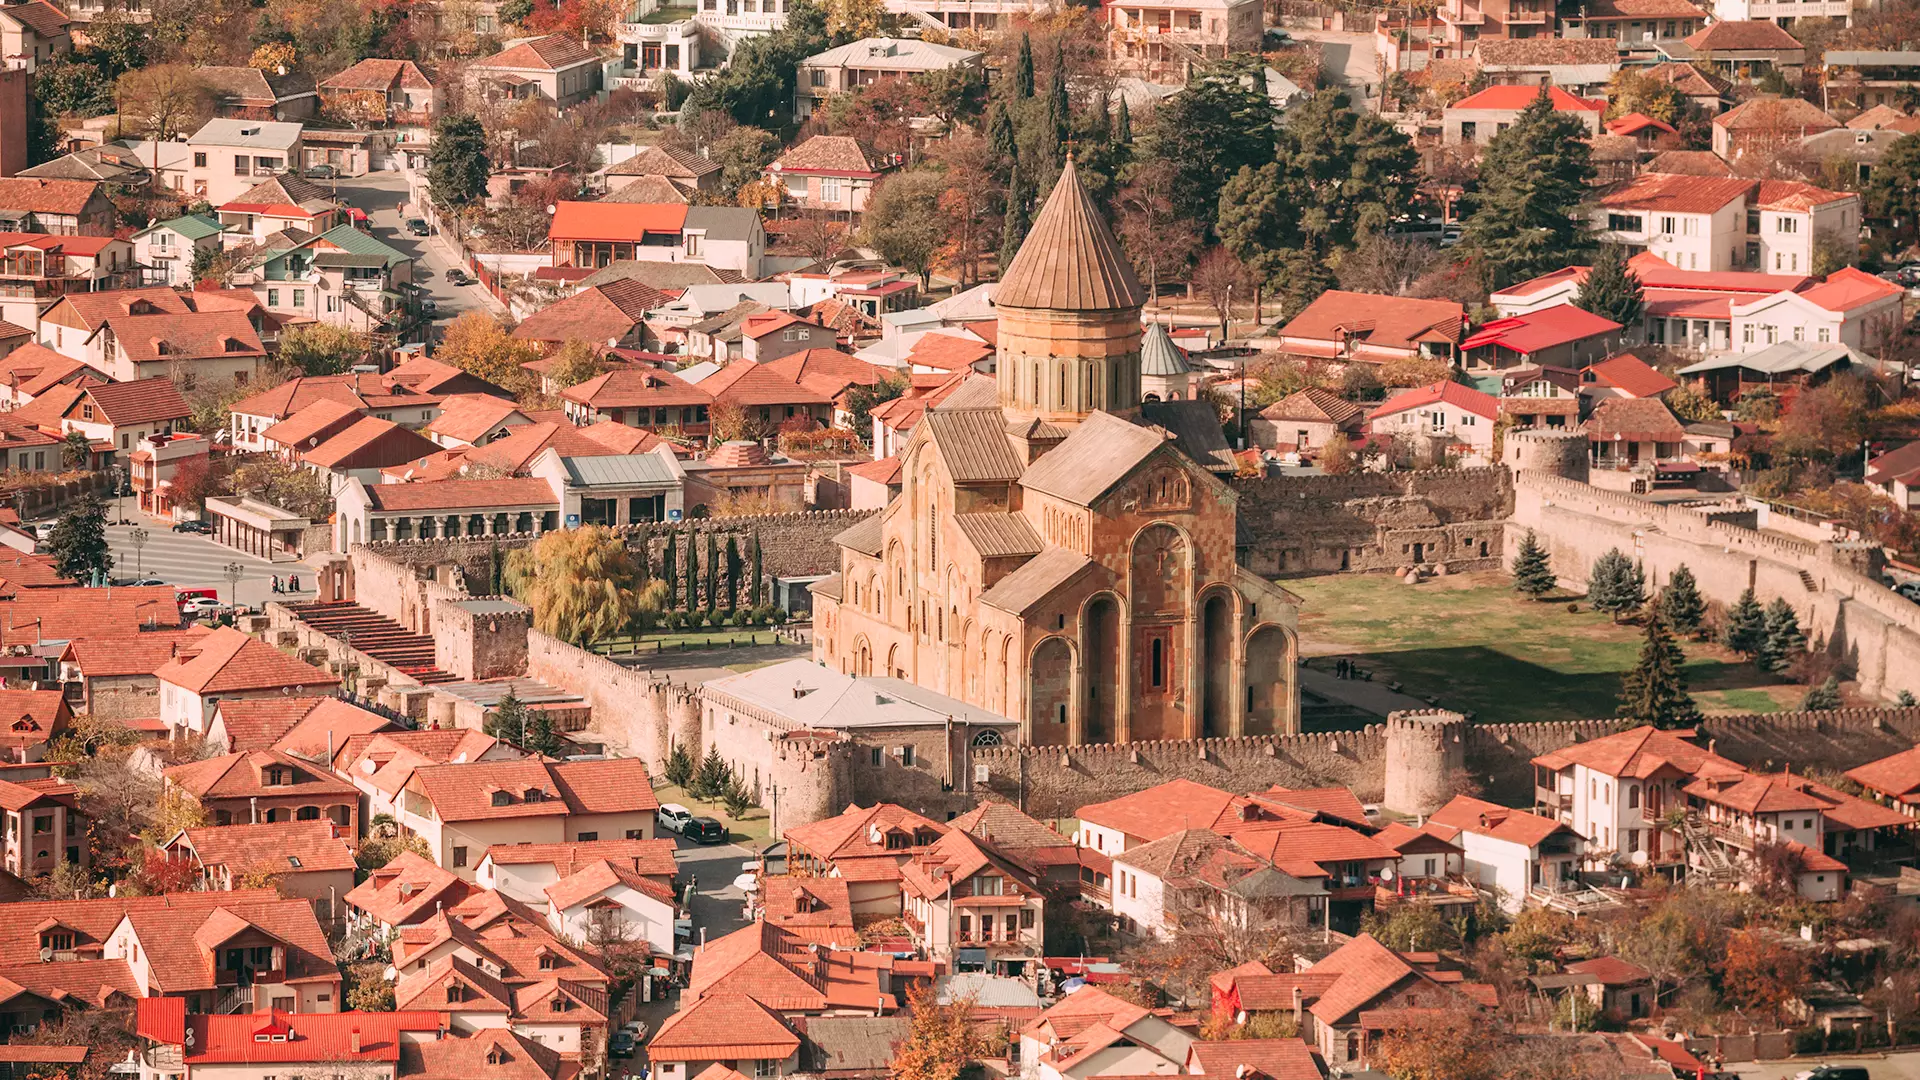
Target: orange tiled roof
{"x":725,"y":1026}
{"x":227,"y":659}
{"x":243,"y":775}
{"x":407,"y":890}
{"x":284,"y":847}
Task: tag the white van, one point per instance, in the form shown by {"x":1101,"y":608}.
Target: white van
{"x":674,"y":817}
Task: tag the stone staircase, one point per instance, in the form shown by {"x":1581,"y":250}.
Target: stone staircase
{"x":1711,"y":856}
{"x":376,"y":635}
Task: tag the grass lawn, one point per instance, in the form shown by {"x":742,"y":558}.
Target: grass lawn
{"x":684,"y":642}
{"x":1476,"y":645}
{"x":754,"y":830}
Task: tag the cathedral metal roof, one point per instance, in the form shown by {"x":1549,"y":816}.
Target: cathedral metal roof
{"x":1034,"y":580}
{"x":1160,"y":356}
{"x":1070,"y":260}
{"x":973,"y":443}
{"x":1101,"y":451}
{"x":997,"y":534}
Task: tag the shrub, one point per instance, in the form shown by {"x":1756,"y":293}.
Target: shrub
{"x":779,"y":617}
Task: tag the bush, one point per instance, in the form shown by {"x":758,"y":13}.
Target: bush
{"x":764,"y":613}
{"x":779,"y":617}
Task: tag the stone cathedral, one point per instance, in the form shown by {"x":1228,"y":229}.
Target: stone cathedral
{"x":1053,"y":556}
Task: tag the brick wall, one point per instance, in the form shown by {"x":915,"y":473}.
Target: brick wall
{"x":1374,"y":520}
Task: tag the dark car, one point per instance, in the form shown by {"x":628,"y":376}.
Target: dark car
{"x":621,"y":1045}
{"x":323,"y":172}
{"x":457,"y":276}
{"x":1838,"y":1072}
{"x":705,"y":830}
{"x":204,"y":527}
{"x":417,"y":226}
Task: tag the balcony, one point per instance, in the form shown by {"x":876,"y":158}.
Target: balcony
{"x":676,"y":31}
{"x":1553,"y":800}
{"x":1463,"y":15}
{"x":1527,"y":18}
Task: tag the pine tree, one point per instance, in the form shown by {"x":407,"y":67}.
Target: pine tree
{"x":679,"y":766}
{"x":1612,"y":291}
{"x":1016,"y":222}
{"x":1532,"y":570}
{"x":737,"y":799}
{"x":1783,"y":641}
{"x":713,"y":776}
{"x":1533,"y":178}
{"x":754,"y":585}
{"x":1123,"y":123}
{"x":508,"y":720}
{"x":1680,"y":603}
{"x":734,"y":567}
{"x":713,"y":571}
{"x":1655,"y":691}
{"x":1615,"y":585}
{"x":1746,"y":630}
{"x":693,"y":573}
{"x":542,"y":739}
{"x":1023,"y":68}
{"x":1824,"y":697}
{"x":78,"y":543}
{"x":670,"y":563}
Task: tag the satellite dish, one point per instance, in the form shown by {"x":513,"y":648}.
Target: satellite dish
{"x":552,"y":209}
{"x":1386,"y":873}
{"x":1638,"y":858}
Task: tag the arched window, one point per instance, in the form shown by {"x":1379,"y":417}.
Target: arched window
{"x":987,"y":738}
{"x":1633,"y":796}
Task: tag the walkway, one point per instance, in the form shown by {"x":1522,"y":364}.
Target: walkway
{"x":376,"y":635}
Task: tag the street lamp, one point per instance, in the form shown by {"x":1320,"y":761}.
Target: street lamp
{"x":138,"y":537}
{"x":119,"y":501}
{"x":233,"y":571}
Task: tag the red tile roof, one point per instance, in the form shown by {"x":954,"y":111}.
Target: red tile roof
{"x":39,"y":196}
{"x":1516,"y":98}
{"x":378,"y":74}
{"x":1794,"y":195}
{"x":624,"y":388}
{"x":258,"y":723}
{"x":600,"y":877}
{"x":1544,"y":329}
{"x":369,"y":442}
{"x":599,"y":316}
{"x":631,"y":222}
{"x":840,"y":155}
{"x":749,"y":384}
{"x":1452,"y":393}
{"x":948,"y":352}
{"x":142,"y":401}
{"x":1896,"y":776}
{"x":653,"y":858}
{"x":1635,"y":122}
{"x":407,"y":890}
{"x":1776,"y":114}
{"x":1393,"y":322}
{"x":1160,"y":810}
{"x":243,"y":775}
{"x":462,"y":494}
{"x":1748,"y":35}
{"x":314,"y":422}
{"x":1630,"y":375}
{"x":1670,"y":193}
{"x":306,"y":1037}
{"x":464,"y":791}
{"x":1634,"y":420}
{"x":281,"y":847}
{"x":1639,"y":753}
{"x":551,"y":53}
{"x":1483,"y":818}
{"x":1610,"y":970}
{"x":1274,"y":1059}
{"x":1850,"y":287}
{"x":227,"y":659}
{"x":723,"y":1027}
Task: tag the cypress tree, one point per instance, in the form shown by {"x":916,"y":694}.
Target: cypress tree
{"x":1532,"y":570}
{"x":1783,"y":641}
{"x":1746,"y":631}
{"x":670,"y":562}
{"x":1000,"y":136}
{"x":1123,"y":123}
{"x":496,"y":570}
{"x":1612,"y":291}
{"x":1014,"y":226}
{"x":1655,"y":691}
{"x":1680,"y":603}
{"x":1823,"y":697}
{"x":1059,"y":107}
{"x":643,"y":558}
{"x":693,"y":573}
{"x":713,"y":572}
{"x":1023,"y":68}
{"x":753,"y":584}
{"x":1533,"y":178}
{"x":733,"y":573}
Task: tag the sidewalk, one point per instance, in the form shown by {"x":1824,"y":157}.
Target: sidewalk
{"x":1373,"y":697}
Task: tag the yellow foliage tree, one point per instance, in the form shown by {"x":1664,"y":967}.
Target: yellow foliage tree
{"x":855,"y":18}
{"x":273,"y":56}
{"x":477,"y":344}
{"x":582,"y":584}
{"x":575,"y":363}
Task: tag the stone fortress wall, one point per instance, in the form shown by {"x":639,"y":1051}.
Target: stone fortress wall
{"x":1375,"y":521}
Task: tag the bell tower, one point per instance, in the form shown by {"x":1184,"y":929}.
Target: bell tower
{"x":1069,"y":306}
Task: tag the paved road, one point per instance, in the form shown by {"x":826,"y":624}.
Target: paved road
{"x":382,"y":196}
{"x":1905,"y":1066}
{"x":191,"y":560}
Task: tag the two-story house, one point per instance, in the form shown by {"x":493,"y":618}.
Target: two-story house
{"x":1196,"y":879}
{"x":1471,"y":21}
{"x":227,"y":663}
{"x":383,"y":93}
{"x":461,"y":810}
{"x":657,"y":40}
{"x":1512,"y":852}
{"x":861,"y":63}
{"x":1363,"y":989}
{"x":1475,"y":119}
{"x":1093,"y":1033}
{"x":266,"y":786}
{"x":1157,"y":32}
{"x":1743,"y":813}
{"x":33,"y":204}
{"x":595,"y":234}
{"x":406,"y":892}
{"x":142,"y":333}
{"x":1713,"y":223}
{"x":1370,"y":328}
{"x":275,"y":204}
{"x":250,"y":93}
{"x":45,"y":826}
{"x":342,"y":277}
{"x":1622,"y":791}
{"x":225,"y":157}
{"x":115,"y":417}
{"x":168,"y":249}
{"x":1459,"y":416}
{"x":830,"y":172}
{"x":867,"y":847}
{"x":37,"y":269}
{"x":312,"y":860}
{"x":556,"y":69}
{"x":1766,"y":125}
{"x":525,"y":872}
{"x":973,"y":907}
{"x":33,"y":33}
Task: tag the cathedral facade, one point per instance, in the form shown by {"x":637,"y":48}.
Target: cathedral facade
{"x":1051,"y":556}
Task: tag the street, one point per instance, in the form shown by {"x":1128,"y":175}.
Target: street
{"x":189,"y":559}
{"x":1902,"y":1066}
{"x":382,"y":196}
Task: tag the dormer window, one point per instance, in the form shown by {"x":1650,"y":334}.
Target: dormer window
{"x":548,"y":962}
{"x":534,"y":794}
{"x":496,"y":1056}
{"x":58,"y":941}
{"x":501,"y":798}
{"x":561,"y":1004}
{"x":26,"y":723}
{"x":456,"y":993}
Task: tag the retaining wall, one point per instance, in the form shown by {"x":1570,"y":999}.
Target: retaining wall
{"x":1375,"y":520}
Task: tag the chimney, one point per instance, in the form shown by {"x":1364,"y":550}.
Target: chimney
{"x":353,"y":1041}
{"x":1299,"y":1001}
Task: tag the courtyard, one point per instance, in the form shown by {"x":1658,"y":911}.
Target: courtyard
{"x":1473,"y":644}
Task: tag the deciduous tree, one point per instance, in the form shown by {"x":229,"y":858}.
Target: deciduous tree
{"x":320,"y":348}
{"x":1158,"y":240}
{"x":904,"y":220}
{"x":942,"y":1040}
{"x":163,"y":101}
{"x":1761,"y":973}
{"x":477,"y":344}
{"x":581,"y":584}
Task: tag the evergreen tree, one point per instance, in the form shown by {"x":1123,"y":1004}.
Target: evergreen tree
{"x":508,"y":720}
{"x":457,"y":166}
{"x":754,"y":584}
{"x":1532,"y":571}
{"x":496,"y":570}
{"x":713,"y":572}
{"x":1655,"y":691}
{"x":1123,"y":124}
{"x":78,"y":543}
{"x":737,"y":799}
{"x":1612,"y":291}
{"x":1005,"y":144}
{"x":1746,"y":630}
{"x":643,"y":557}
{"x":693,"y":573}
{"x":1059,"y":108}
{"x":679,"y":766}
{"x":1210,"y":131}
{"x":1014,"y":226}
{"x":1615,"y":585}
{"x":670,"y":562}
{"x":1783,"y":641}
{"x":1824,"y":697}
{"x":1533,"y":178}
{"x":733,"y":573}
{"x":542,"y":739}
{"x":1905,"y":699}
{"x":712,"y":777}
{"x":1680,"y":603}
{"x":1023,"y":68}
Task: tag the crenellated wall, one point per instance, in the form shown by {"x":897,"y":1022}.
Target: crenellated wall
{"x":1374,"y":520}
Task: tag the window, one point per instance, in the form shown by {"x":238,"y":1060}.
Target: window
{"x":273,"y":298}
{"x":199,"y":159}
{"x":877,"y":755}
{"x":242,"y":164}
{"x":501,"y":798}
{"x":1753,"y":222}
{"x":459,"y":856}
{"x":1786,"y":225}
{"x":1666,"y":225}
{"x":587,"y":836}
{"x":636,"y":834}
{"x":966,"y":927}
{"x":1825,"y":334}
{"x":830,"y":189}
{"x":299,"y":298}
{"x":693,"y":245}
{"x":42,"y":823}
{"x":989,"y":886}
{"x":906,"y":755}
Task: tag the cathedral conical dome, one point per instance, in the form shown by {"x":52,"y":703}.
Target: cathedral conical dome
{"x":1159,"y":355}
{"x":1070,"y":260}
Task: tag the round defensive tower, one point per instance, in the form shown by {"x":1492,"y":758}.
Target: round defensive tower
{"x":1425,"y":751}
{"x":1547,"y":450}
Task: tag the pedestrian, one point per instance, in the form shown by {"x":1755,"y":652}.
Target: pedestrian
{"x":276,"y":583}
{"x":295,"y":587}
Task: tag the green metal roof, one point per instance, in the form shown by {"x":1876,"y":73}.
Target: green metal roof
{"x":347,"y":238}
{"x":191,"y":226}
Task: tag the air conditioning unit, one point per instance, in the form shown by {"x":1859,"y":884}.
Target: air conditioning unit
{"x":982,"y":774}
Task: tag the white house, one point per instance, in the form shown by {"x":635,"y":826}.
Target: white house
{"x":607,"y":894}
{"x":1460,"y":415}
{"x":227,"y":157}
{"x":1726,"y":222}
{"x":523,"y":872}
{"x":170,"y":247}
{"x":1618,"y":790}
{"x":227,"y":664}
{"x":1851,"y":307}
{"x":1512,"y":851}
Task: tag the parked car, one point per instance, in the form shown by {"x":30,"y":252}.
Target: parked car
{"x":705,"y":830}
{"x":201,"y":605}
{"x":429,"y":306}
{"x":457,"y":276}
{"x":205,"y":528}
{"x":621,"y":1045}
{"x":417,"y":226}
{"x":674,"y":818}
{"x":1834,"y":1072}
{"x":323,"y":172}
{"x":43,"y":530}
{"x":139,"y":581}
